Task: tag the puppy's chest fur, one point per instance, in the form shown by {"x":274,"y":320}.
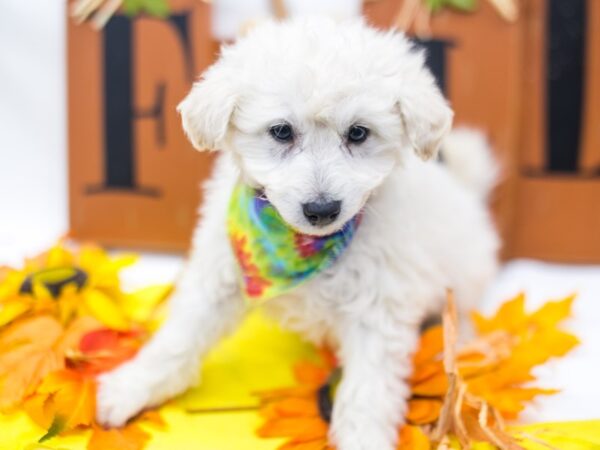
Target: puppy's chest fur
{"x":384,"y":277}
{"x":409,"y":248}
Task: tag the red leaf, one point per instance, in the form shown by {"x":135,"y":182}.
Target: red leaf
{"x":102,"y":350}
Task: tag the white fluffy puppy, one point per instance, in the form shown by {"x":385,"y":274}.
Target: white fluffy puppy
{"x":318,"y":112}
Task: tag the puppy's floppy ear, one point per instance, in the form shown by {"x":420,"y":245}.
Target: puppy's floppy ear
{"x":206,"y":111}
{"x":425,"y":114}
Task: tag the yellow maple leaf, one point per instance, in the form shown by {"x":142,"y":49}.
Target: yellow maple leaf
{"x":529,"y":340}
{"x":509,"y":317}
{"x":552,"y":313}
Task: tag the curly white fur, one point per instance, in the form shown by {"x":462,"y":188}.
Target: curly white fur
{"x":423,"y":230}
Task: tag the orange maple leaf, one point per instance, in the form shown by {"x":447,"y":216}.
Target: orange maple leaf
{"x":27,"y":354}
{"x":73,"y":396}
{"x":130,"y":437}
{"x":413,"y":438}
{"x":64,"y":400}
{"x":30,"y":349}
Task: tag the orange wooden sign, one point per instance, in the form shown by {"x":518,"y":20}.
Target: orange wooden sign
{"x":533,"y":87}
{"x":557,"y":192}
{"x":134,"y":178}
{"x":478,"y":60}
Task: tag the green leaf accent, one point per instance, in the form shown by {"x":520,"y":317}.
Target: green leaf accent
{"x":463,"y":5}
{"x":156,"y":8}
{"x":58,"y":424}
{"x":435,"y":5}
{"x":132,"y":7}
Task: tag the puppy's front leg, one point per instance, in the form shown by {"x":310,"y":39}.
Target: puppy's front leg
{"x":205,"y":305}
{"x":371,"y":401}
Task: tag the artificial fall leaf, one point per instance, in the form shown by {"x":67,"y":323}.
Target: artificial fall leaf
{"x":102,"y":306}
{"x":316,"y":444}
{"x":293,"y":412}
{"x":512,"y":317}
{"x":104,"y":349}
{"x":307,"y":373}
{"x":73,"y":396}
{"x":552,"y":313}
{"x":130,"y":437}
{"x":490,"y":379}
{"x":39,"y":409}
{"x":11,"y":308}
{"x":57,"y":425}
{"x":431,"y":345}
{"x":153,"y":418}
{"x":509,"y":317}
{"x":413,"y":438}
{"x":435,"y":384}
{"x":64,"y":319}
{"x":302,"y":429}
{"x":67,"y":284}
{"x":27,"y":354}
{"x":147,"y":305}
{"x":291,"y":407}
{"x":64,"y":400}
{"x":422,"y":411}
{"x":30,"y":349}
{"x":511,"y":401}
{"x":75,"y":332}
{"x":523,"y":341}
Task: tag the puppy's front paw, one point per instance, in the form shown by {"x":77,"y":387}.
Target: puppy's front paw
{"x":121,"y":395}
{"x":361,"y":435}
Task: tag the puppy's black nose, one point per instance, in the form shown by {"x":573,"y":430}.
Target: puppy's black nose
{"x":321,"y":213}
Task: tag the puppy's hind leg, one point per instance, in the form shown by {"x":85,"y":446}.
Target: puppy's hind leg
{"x":205,"y":305}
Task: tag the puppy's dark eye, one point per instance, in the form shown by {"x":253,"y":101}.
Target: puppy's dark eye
{"x":282,"y":132}
{"x":358,"y":134}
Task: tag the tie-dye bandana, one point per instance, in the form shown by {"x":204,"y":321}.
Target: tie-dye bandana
{"x":274,"y":258}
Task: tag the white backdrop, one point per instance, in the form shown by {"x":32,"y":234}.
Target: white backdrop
{"x":33,"y":199}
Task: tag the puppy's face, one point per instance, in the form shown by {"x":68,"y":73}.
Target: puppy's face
{"x":317,"y":156}
{"x":317,"y":113}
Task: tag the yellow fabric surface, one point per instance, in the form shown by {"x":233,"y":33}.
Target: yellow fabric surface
{"x":563,"y":436}
{"x":258,"y":356}
{"x":583,"y":435}
{"x":220,"y":414}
